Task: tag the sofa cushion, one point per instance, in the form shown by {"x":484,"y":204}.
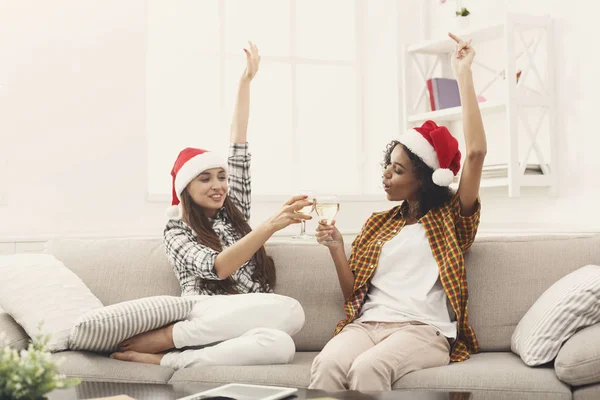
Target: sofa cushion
{"x":118,"y":270}
{"x":100,"y":368}
{"x":506,"y":275}
{"x":485,"y":373}
{"x":572,"y":303}
{"x":578,"y":361}
{"x":14,"y":335}
{"x":103,"y":329}
{"x":38,"y":291}
{"x":295,"y":374}
{"x":306,"y":273}
{"x":502,"y":374}
{"x":591,"y":392}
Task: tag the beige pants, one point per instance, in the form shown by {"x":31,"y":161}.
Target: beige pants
{"x":371,"y":356}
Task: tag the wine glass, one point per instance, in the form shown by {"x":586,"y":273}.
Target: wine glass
{"x":305,"y":210}
{"x":327,"y":207}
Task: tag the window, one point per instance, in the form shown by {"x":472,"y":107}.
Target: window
{"x":323,"y":106}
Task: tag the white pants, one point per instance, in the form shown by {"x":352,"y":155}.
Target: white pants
{"x":241,"y":329}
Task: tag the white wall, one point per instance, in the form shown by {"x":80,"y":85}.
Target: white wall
{"x":72,"y":125}
{"x":72,"y":118}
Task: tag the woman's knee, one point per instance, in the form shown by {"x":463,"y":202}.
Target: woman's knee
{"x":291,"y":310}
{"x":297,"y":317}
{"x":277,"y":344}
{"x":366,"y":367}
{"x":324,"y":364}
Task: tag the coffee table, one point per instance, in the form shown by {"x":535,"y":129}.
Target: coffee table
{"x":143,"y":391}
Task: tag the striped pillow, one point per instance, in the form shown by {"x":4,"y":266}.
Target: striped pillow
{"x":570,"y":304}
{"x":102,"y":329}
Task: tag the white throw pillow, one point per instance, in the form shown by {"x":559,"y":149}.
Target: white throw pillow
{"x":570,"y":304}
{"x":38,"y":288}
{"x":103,"y":329}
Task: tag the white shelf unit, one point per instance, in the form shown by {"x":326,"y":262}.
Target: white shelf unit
{"x":517,"y":99}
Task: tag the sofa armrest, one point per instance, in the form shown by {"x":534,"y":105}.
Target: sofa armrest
{"x":578,"y":361}
{"x":15,"y":335}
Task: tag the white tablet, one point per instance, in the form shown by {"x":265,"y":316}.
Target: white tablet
{"x":238,"y":391}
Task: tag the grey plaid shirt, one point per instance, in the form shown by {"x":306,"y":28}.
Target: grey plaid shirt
{"x":191,"y":259}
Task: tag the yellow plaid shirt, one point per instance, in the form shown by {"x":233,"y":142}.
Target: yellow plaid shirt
{"x":449,"y":234}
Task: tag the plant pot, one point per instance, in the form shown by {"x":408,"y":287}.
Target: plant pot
{"x":462,"y":23}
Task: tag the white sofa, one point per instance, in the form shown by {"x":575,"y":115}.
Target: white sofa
{"x":506,"y":275}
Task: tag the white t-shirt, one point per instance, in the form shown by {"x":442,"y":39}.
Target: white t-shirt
{"x":406,"y":285}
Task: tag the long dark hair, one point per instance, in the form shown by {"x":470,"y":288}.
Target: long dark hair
{"x":429,"y":195}
{"x":196,"y":218}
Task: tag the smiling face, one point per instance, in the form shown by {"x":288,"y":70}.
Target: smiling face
{"x":209,"y":189}
{"x":399,"y":179}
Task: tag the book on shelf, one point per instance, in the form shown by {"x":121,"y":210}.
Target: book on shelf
{"x":501,"y":171}
{"x":443,"y":93}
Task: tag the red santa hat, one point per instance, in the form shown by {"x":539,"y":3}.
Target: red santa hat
{"x":436,"y":146}
{"x":189,"y":164}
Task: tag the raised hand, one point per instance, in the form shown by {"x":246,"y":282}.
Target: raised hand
{"x":288,"y":214}
{"x":463,"y":55}
{"x":252,"y":62}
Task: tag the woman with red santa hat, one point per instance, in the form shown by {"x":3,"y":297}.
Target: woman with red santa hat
{"x":215,"y":254}
{"x":405,"y":282}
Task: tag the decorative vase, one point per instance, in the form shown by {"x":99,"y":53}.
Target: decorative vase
{"x":462,"y":23}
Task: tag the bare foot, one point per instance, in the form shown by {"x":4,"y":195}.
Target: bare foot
{"x":138,"y":357}
{"x":150,"y":342}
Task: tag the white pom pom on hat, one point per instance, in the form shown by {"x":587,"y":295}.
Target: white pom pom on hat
{"x":174,"y":212}
{"x":442,"y":177}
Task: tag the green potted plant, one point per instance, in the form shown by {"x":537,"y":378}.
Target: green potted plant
{"x":29,"y":374}
{"x":462,"y":15}
{"x":462,"y":12}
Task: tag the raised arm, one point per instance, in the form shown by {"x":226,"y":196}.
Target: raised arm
{"x":476,"y":146}
{"x":239,"y":124}
{"x":240,"y":189}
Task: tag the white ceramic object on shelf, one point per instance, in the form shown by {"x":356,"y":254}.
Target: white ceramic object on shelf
{"x":462,"y":23}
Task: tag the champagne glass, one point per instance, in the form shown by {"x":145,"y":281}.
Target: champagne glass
{"x":305,"y":210}
{"x":327,"y":207}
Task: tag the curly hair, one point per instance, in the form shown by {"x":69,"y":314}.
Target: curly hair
{"x":429,"y":195}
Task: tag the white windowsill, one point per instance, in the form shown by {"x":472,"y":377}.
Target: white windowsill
{"x":279,"y":198}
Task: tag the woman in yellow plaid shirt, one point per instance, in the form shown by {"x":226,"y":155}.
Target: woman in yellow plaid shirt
{"x":405,"y":283}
